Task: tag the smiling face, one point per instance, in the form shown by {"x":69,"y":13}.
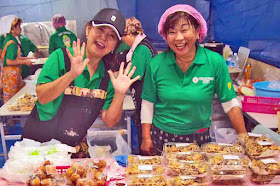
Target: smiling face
{"x":101,"y":40}
{"x":182,"y":32}
{"x":182,"y":38}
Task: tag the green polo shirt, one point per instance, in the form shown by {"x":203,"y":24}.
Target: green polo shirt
{"x":123,"y":46}
{"x":183,"y":101}
{"x":61,"y":38}
{"x":2,"y":39}
{"x":55,"y":68}
{"x":141,"y":57}
{"x":11,"y":52}
{"x":27,"y":46}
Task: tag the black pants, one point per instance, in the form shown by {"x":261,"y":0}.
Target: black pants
{"x":159,"y":137}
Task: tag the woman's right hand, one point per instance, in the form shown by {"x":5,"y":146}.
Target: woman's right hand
{"x":24,"y":60}
{"x":77,"y":63}
{"x":147,"y":146}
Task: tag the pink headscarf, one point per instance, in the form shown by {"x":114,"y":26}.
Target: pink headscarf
{"x":191,"y":11}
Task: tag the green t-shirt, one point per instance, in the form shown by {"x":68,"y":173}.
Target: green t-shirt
{"x":11,"y":52}
{"x":123,"y":46}
{"x":55,"y":68}
{"x":27,"y":46}
{"x":2,"y":39}
{"x":183,"y":101}
{"x":141,"y":57}
{"x":61,"y":38}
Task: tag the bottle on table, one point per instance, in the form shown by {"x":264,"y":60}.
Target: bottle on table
{"x":226,"y":51}
{"x":229,"y":59}
{"x":235,"y":60}
{"x":247,"y":71}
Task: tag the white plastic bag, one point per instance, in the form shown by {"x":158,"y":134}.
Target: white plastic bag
{"x":113,"y":139}
{"x":225,"y":135}
{"x":27,"y":155}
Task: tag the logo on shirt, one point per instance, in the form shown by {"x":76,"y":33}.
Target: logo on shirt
{"x":66,"y":40}
{"x":229,"y":85}
{"x":203,"y":79}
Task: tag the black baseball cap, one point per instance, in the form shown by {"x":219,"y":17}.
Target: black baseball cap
{"x":112,"y":18}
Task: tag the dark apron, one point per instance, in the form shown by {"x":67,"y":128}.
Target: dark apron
{"x":74,"y":117}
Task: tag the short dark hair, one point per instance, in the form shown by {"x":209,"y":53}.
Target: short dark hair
{"x":175,"y":17}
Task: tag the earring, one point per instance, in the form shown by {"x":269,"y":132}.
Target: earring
{"x":197,"y":37}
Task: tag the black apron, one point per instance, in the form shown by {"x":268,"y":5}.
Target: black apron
{"x":74,"y":117}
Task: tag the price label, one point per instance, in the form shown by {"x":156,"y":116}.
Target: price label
{"x":183,"y":153}
{"x":225,"y":144}
{"x":254,"y":135}
{"x":182,"y":144}
{"x":184,"y":161}
{"x":269,"y":160}
{"x":145,"y":157}
{"x":231,"y":157}
{"x":263,"y":143}
{"x":186,"y":177}
{"x":145,"y":167}
{"x":144,"y":175}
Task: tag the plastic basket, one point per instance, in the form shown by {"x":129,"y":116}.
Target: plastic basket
{"x":61,"y":169}
{"x":261,"y":104}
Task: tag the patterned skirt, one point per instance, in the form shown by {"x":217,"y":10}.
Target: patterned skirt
{"x":11,"y":81}
{"x":159,"y":137}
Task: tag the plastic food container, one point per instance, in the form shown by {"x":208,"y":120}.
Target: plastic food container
{"x":222,"y":148}
{"x":243,"y":139}
{"x":265,"y":171}
{"x":266,"y":166}
{"x":172,"y":147}
{"x":228,"y":162}
{"x":267,"y":89}
{"x":145,"y":169}
{"x":186,"y":156}
{"x":261,"y":149}
{"x":144,"y":160}
{"x":230,"y":177}
{"x":188,"y":180}
{"x":189,"y":168}
{"x":148,"y":179}
{"x":265,"y":179}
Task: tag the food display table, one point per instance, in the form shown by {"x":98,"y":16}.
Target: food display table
{"x":128,"y":109}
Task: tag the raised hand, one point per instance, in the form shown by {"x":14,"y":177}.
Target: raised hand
{"x":77,"y":63}
{"x":122,"y":82}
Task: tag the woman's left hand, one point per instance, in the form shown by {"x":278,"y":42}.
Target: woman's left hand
{"x":122,"y":82}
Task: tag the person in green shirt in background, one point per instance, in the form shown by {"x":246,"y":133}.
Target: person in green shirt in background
{"x":28,"y":46}
{"x":140,"y":54}
{"x":62,"y":37}
{"x":180,"y":85}
{"x":13,"y":58}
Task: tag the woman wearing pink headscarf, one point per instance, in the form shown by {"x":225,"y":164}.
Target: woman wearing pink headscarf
{"x":181,"y":82}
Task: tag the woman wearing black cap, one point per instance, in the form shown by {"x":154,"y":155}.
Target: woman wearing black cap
{"x":74,"y":87}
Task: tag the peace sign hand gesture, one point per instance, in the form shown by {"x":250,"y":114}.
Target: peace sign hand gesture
{"x":123,"y":81}
{"x":77,"y":63}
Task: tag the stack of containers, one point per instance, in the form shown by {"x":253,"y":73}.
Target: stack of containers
{"x":185,"y":164}
{"x":146,"y":170}
{"x":264,"y":155}
{"x":229,"y":164}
